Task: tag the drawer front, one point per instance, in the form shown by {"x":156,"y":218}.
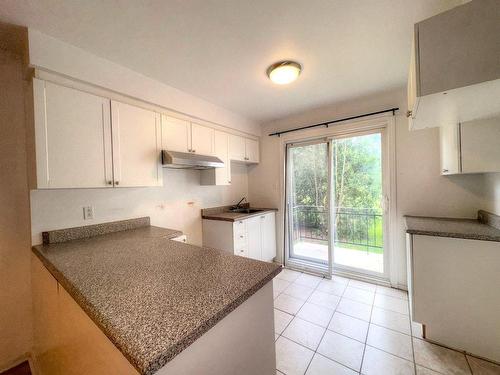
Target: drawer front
{"x":242,"y":251}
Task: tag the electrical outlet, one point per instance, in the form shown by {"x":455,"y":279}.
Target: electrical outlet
{"x":88,"y":213}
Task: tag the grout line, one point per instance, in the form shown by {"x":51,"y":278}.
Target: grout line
{"x":411,"y":338}
{"x":366,"y":339}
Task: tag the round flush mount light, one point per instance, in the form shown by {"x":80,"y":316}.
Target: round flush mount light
{"x":284,"y":72}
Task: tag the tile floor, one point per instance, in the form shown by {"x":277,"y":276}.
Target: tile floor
{"x":347,"y":327}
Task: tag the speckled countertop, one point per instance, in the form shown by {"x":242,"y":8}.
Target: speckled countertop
{"x":472,"y":229}
{"x":151,"y":296}
{"x":223,"y":213}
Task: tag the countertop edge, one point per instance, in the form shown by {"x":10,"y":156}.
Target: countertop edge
{"x":242,"y":217}
{"x":453,"y":235}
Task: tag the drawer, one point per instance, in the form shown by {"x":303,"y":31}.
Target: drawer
{"x":241,"y":251}
{"x":239,"y":227}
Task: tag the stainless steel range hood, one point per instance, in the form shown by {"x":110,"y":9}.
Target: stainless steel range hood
{"x":186,"y":160}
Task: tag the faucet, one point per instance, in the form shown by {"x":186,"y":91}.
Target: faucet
{"x":237,"y":205}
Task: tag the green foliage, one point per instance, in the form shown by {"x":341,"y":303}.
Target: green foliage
{"x":357,"y":189}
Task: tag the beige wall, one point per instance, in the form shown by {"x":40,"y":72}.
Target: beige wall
{"x":420,"y":188}
{"x":175,"y":205}
{"x":15,"y":285}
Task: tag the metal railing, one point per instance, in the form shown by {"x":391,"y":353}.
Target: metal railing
{"x":358,"y":227}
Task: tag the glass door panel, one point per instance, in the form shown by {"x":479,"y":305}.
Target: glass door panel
{"x":308,"y":190}
{"x":358,"y":213}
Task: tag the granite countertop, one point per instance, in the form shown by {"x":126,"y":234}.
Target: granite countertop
{"x":472,"y":229}
{"x":151,"y":296}
{"x":223,"y":213}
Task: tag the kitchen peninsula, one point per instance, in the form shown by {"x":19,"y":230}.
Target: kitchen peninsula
{"x":130,"y":300}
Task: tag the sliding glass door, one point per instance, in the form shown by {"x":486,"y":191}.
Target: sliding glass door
{"x":335,"y":201}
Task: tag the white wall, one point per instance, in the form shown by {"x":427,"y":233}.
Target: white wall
{"x":175,"y":205}
{"x":420,"y":188}
{"x":51,"y":54}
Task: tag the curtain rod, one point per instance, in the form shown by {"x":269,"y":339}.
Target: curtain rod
{"x":326,"y":124}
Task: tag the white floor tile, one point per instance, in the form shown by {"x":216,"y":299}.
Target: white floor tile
{"x":304,"y":333}
{"x":377,"y":362}
{"x":480,"y":367}
{"x":292,"y":358}
{"x":390,"y":341}
{"x":288,"y":275}
{"x":340,"y":279}
{"x":280,"y":285}
{"x":288,"y":304}
{"x":425,"y":371}
{"x":440,"y":359}
{"x":356,"y":309}
{"x":342,"y":349}
{"x":324,"y":299}
{"x":332,"y":287}
{"x":281,"y":320}
{"x":298,"y":291}
{"x":391,"y":303}
{"x":362,"y":285}
{"x":309,"y":280}
{"x":316,"y":314}
{"x":392,"y":292}
{"x":390,"y":319}
{"x":349,"y":326}
{"x":323,"y":366}
{"x":359,"y":295}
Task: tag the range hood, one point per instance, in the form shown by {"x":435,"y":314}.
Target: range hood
{"x":187,"y":160}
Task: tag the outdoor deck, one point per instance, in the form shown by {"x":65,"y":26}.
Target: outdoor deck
{"x":349,"y":257}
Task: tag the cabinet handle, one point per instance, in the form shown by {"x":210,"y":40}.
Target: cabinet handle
{"x":110,"y":182}
{"x":241,"y":236}
{"x":262,"y":217}
{"x":445,"y":170}
{"x":117,"y":183}
{"x":409,"y":113}
{"x":193,"y":150}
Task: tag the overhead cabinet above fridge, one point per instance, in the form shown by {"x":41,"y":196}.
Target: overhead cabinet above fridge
{"x":455,"y":66}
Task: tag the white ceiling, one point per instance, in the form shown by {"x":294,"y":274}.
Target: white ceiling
{"x":219,"y":50}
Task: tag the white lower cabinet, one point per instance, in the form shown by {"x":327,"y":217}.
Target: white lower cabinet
{"x":254,"y":237}
{"x":453,"y":286}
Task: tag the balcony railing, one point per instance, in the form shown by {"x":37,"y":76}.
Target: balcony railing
{"x":359,"y":228}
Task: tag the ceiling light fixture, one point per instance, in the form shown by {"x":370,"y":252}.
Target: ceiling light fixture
{"x":284,"y":72}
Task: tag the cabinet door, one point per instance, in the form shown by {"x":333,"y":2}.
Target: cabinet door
{"x":480,"y":149}
{"x":254,"y":235}
{"x":176,"y":134}
{"x":202,"y":139}
{"x":236,"y":148}
{"x":72,"y":136}
{"x":268,"y":232}
{"x":252,"y":150}
{"x":221,"y":143}
{"x":136,"y":150}
{"x":450,"y":151}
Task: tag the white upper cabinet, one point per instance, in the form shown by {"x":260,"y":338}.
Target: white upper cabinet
{"x":72,"y":136}
{"x":136,"y":149}
{"x":236,"y":148}
{"x":202,"y":139}
{"x":176,"y":134}
{"x":243,"y":149}
{"x":480,"y":146}
{"x":252,"y":150}
{"x":470,"y":147}
{"x":449,"y":149}
{"x":86,"y":141}
{"x":455,"y":71}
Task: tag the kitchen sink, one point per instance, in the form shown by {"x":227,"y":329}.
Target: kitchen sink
{"x":245,"y":210}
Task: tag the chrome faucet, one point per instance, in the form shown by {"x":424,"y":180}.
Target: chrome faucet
{"x":237,"y":206}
